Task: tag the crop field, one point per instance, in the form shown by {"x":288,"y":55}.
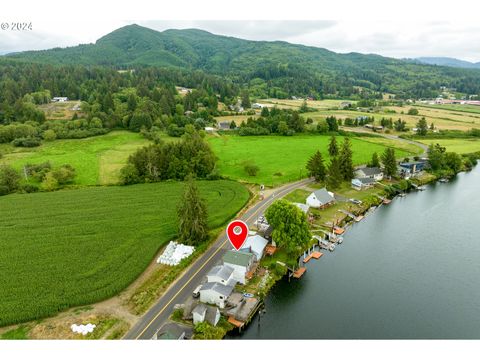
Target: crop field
{"x":60,"y":110}
{"x":295,"y":104}
{"x":76,"y":247}
{"x":281,"y":159}
{"x":461,"y":146}
{"x":97,"y":160}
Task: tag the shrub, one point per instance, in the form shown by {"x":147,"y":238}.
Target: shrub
{"x":29,"y":188}
{"x":251,"y":169}
{"x":49,"y":135}
{"x":26,"y":142}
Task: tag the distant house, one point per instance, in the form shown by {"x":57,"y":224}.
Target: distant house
{"x":320,"y":199}
{"x":207,"y":313}
{"x":255,"y":245}
{"x":241,"y":262}
{"x":222,"y":274}
{"x":224,"y":125}
{"x":188,"y":113}
{"x":370,"y":172}
{"x":303,"y":207}
{"x":413,"y":167}
{"x":210,"y":129}
{"x":215,"y":293}
{"x":258,"y":106}
{"x":363,"y":183}
{"x":345,"y":104}
{"x":59,"y":99}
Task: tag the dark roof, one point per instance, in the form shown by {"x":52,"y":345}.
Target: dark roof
{"x":323,"y":196}
{"x":369,"y":171}
{"x":366,"y":181}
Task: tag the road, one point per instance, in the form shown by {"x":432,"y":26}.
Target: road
{"x":178,"y":292}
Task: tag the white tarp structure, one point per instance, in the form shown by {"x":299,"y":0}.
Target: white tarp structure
{"x":83,"y":329}
{"x":174,"y":253}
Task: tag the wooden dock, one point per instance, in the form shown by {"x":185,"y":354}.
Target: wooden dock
{"x":313,"y":255}
{"x":299,"y":272}
{"x":235,"y":322}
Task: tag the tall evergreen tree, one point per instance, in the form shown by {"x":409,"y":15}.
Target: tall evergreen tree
{"x":316,"y":167}
{"x":333,"y":147}
{"x":375,"y":162}
{"x":389,"y":162}
{"x":192,"y":215}
{"x":422,"y":127}
{"x":334,"y":178}
{"x":346,"y":163}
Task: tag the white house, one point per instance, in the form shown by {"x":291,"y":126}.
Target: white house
{"x":320,"y":199}
{"x":255,"y":245}
{"x":210,"y":129}
{"x":241,"y":262}
{"x":215,"y":293}
{"x":258,"y":106}
{"x":363,"y":183}
{"x":59,"y":99}
{"x":207,"y":313}
{"x":370,"y":172}
{"x":222,"y":274}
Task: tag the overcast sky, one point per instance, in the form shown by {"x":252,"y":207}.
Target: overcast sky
{"x":459,"y":39}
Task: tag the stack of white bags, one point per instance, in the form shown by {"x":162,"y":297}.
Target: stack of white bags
{"x":83,"y":329}
{"x":174,"y":253}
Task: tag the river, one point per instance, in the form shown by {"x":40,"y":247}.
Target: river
{"x":409,"y":270}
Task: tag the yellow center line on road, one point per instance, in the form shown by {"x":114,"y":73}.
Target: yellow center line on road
{"x":202,"y":266}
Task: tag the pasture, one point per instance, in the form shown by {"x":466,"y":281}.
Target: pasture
{"x":460,"y":146}
{"x":76,"y":247}
{"x":282,"y":159}
{"x":97,"y":160}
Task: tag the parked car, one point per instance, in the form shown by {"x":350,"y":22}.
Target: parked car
{"x":196,"y":292}
{"x":355,"y":201}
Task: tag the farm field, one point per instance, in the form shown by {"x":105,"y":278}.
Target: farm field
{"x":60,"y":110}
{"x":281,"y":159}
{"x":76,"y":247}
{"x":97,"y":160}
{"x":461,"y":146}
{"x":295,"y":104}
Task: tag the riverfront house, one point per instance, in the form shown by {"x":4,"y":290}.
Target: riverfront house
{"x":363,"y":183}
{"x":215,"y":293}
{"x":241,"y":262}
{"x":222,"y":274}
{"x":320,"y":199}
{"x":255,"y":245}
{"x":370,"y":172}
{"x":207,"y":313}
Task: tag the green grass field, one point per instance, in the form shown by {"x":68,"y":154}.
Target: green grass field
{"x":76,"y":247}
{"x":97,"y":160}
{"x":461,"y":146}
{"x":281,"y":159}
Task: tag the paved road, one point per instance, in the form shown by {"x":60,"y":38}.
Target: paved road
{"x":178,"y":292}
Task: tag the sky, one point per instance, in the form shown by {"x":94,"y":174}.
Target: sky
{"x":405,"y":32}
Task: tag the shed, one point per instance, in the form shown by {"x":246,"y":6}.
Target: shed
{"x":207,"y":313}
{"x":303,"y":207}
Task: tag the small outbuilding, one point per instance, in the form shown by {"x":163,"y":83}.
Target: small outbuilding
{"x":303,"y":207}
{"x":320,"y":199}
{"x":207,"y":313}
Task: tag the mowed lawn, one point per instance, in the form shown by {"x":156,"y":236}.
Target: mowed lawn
{"x":281,"y":159}
{"x":97,"y":160}
{"x":461,"y":146}
{"x":76,"y":247}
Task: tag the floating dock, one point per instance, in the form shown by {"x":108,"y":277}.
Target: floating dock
{"x":297,"y":274}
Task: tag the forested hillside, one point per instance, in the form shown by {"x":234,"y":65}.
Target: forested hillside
{"x":268,"y":69}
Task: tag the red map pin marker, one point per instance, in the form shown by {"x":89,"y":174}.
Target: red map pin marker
{"x":237,"y":232}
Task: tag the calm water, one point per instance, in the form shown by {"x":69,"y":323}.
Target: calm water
{"x":409,"y":270}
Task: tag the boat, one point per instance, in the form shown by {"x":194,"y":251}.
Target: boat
{"x":443,"y":180}
{"x":422,"y":188}
{"x":402,"y":194}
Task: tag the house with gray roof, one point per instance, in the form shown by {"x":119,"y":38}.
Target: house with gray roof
{"x":303,"y":207}
{"x":222,"y":274}
{"x":255,"y":245}
{"x":215,"y":293}
{"x":241,"y":262}
{"x":207,"y":313}
{"x":363,"y":183}
{"x":320,"y":199}
{"x":370,"y":172}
